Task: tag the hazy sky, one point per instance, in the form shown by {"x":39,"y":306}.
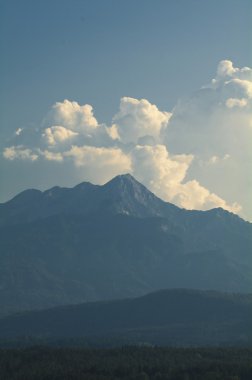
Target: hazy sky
{"x":161,"y":89}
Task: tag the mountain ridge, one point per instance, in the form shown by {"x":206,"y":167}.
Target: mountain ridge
{"x":173,"y":316}
{"x":135,"y":199}
{"x":118,"y":240}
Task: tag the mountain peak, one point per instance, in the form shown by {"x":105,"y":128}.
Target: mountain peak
{"x":25,"y":196}
{"x":126,"y":185}
{"x":125,"y":195}
{"x":121,"y":195}
{"x":127,"y":182}
{"x":124,"y":178}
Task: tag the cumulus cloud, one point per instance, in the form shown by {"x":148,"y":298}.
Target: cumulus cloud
{"x":234,"y":102}
{"x":51,"y":156}
{"x":139,"y":118}
{"x":226,"y":70}
{"x":73,"y":116}
{"x":161,"y":172}
{"x":216,"y":121}
{"x":70,"y":123}
{"x":198,"y":156}
{"x":165,"y":176}
{"x":19,"y":152}
{"x":99,"y":164}
{"x":192,"y":195}
{"x":57,"y":134}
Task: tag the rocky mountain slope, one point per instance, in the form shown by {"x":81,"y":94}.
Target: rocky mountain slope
{"x":118,"y":240}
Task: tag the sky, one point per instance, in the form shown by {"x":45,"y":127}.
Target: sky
{"x":160,"y":89}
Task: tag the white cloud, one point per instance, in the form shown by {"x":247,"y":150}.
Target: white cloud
{"x":18,"y":131}
{"x":192,"y":195}
{"x":73,"y":116}
{"x":69,"y":123}
{"x":99,"y":164}
{"x":19,"y":152}
{"x":234,"y":102}
{"x":57,"y":134}
{"x":226,"y":70}
{"x":165,"y":175}
{"x":139,"y":118}
{"x":113,"y":132}
{"x":51,"y":156}
{"x":154,"y":166}
{"x":215,"y":160}
{"x":216,"y":121}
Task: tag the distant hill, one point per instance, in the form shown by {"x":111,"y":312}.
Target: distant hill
{"x":88,"y":243}
{"x":167,"y":317}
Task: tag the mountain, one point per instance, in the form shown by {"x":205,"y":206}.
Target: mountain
{"x":90,"y":243}
{"x":122,"y":195}
{"x":180,"y":316}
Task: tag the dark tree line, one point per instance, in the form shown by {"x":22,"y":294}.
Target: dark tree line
{"x":129,"y":363}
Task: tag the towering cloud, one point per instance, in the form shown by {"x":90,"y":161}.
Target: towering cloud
{"x":215,"y":125}
{"x":137,"y":119}
{"x":57,"y":134}
{"x":187,"y":157}
{"x":165,"y":174}
{"x":73,"y":116}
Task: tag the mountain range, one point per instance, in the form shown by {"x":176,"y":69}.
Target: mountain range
{"x":89,"y":243}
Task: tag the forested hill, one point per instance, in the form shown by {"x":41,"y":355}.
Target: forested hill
{"x":168,"y":317}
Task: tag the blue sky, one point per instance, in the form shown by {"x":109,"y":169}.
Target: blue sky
{"x":97,"y":52}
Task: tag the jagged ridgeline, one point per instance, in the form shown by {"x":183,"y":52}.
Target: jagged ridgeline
{"x":89,"y":243}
